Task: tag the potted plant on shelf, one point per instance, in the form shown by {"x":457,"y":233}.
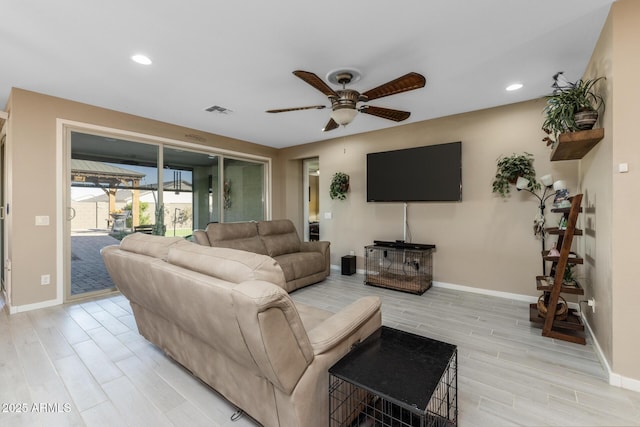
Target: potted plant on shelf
{"x":571,"y":107}
{"x":510,"y":168}
{"x":339,"y":186}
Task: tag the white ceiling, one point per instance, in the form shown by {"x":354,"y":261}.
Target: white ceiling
{"x":240,"y":55}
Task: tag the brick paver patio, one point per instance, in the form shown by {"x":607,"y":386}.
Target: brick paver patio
{"x":88,"y":272}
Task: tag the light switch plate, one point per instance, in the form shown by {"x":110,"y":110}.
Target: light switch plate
{"x":42,"y":220}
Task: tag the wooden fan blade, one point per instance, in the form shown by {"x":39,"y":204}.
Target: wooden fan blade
{"x":405,"y":83}
{"x":284,"y":110}
{"x":331,"y":125}
{"x":316,"y":82}
{"x":385,"y":113}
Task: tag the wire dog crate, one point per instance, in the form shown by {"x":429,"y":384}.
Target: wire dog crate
{"x":424,"y":395}
{"x":403,"y":269}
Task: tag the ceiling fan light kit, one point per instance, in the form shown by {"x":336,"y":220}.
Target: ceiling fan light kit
{"x":343,"y":116}
{"x":344,"y":102}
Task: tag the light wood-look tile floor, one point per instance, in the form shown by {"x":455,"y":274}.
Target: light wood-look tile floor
{"x":85,"y":364}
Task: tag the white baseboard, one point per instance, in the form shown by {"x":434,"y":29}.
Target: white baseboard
{"x":499,"y":294}
{"x":28,"y":307}
{"x":616,"y":380}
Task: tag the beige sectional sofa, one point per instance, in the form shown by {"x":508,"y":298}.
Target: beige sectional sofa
{"x":303,"y":263}
{"x":225,"y":316}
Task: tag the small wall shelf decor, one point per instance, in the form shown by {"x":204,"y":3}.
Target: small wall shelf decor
{"x":576,"y":145}
{"x":571,"y":107}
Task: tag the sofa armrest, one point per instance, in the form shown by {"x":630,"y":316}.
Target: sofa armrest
{"x":344,"y":323}
{"x":315,"y":246}
{"x":201,"y":238}
{"x":319,"y":246}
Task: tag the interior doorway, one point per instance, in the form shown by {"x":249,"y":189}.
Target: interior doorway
{"x":311,"y":198}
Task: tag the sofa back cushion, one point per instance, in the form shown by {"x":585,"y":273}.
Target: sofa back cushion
{"x":239,"y":235}
{"x":200,"y":306}
{"x":150,"y":245}
{"x":279,"y":237}
{"x":232,"y":265}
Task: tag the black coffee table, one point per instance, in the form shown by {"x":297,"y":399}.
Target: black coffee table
{"x":395,"y":378}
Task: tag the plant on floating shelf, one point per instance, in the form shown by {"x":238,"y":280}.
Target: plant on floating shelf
{"x":571,"y":107}
{"x":568,"y":277}
{"x":339,"y":186}
{"x":509,"y":168}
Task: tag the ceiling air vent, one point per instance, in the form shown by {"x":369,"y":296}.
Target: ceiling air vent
{"x":218,"y":109}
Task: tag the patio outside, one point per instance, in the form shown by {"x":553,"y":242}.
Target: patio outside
{"x":108,"y":205}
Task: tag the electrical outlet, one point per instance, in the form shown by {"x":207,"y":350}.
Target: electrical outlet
{"x":45,"y":279}
{"x":591,"y":302}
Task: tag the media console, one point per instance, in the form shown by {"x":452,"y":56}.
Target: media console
{"x":402,"y":245}
{"x":399,"y":265}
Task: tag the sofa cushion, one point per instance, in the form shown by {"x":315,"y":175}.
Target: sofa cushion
{"x":227,"y":264}
{"x":301,"y":264}
{"x":150,"y":245}
{"x":240,"y":235}
{"x":311,"y":316}
{"x":279,"y":237}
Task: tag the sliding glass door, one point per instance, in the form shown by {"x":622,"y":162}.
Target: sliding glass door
{"x":243,"y":191}
{"x":119,"y":186}
{"x":113,"y":192}
{"x":199,"y":188}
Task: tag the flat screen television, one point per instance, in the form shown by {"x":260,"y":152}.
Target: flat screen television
{"x":423,"y":174}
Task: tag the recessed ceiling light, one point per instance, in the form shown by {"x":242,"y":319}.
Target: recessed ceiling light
{"x":141,"y":59}
{"x":514,"y":86}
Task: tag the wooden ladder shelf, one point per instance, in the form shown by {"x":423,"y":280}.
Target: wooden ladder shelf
{"x":569,"y":328}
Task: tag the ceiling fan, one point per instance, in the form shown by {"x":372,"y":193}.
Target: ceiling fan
{"x":344,"y":102}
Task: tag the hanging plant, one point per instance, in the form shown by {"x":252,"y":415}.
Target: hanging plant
{"x":509,"y":168}
{"x":339,"y":186}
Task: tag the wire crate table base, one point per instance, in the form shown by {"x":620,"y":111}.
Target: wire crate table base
{"x":372,"y":386}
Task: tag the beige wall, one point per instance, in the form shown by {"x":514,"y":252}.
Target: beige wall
{"x":626,"y":188}
{"x":32,"y":182}
{"x":597,"y":220}
{"x":613,"y":198}
{"x":484,"y":241}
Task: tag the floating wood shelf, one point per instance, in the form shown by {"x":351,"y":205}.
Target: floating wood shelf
{"x":575,"y":145}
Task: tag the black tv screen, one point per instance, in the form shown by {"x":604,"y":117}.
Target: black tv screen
{"x":423,"y":174}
